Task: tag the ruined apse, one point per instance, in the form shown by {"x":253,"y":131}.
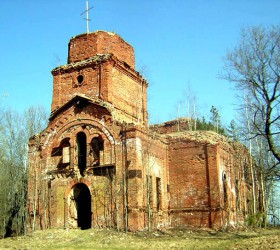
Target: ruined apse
{"x":99,"y":164}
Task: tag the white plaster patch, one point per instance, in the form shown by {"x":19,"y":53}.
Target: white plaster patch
{"x":138,"y":145}
{"x":48,"y":138}
{"x":154,"y":166}
{"x":222,"y":171}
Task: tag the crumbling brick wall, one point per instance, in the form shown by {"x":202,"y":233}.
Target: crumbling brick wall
{"x":98,"y":94}
{"x":84,"y":46}
{"x":206,"y":178}
{"x":98,"y":153}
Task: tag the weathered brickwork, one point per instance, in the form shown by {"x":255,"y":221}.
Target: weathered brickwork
{"x":99,"y":164}
{"x":85,"y":46}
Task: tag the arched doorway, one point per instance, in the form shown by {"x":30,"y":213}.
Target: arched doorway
{"x":82,"y":152}
{"x":82,"y":198}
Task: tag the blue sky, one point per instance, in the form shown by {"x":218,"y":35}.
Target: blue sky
{"x":180,"y":43}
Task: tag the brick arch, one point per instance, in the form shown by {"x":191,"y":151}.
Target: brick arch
{"x":75,"y":182}
{"x":86,"y":121}
{"x":70,"y":186}
{"x":102,"y":129}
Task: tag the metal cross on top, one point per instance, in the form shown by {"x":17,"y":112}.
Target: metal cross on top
{"x":87,"y":15}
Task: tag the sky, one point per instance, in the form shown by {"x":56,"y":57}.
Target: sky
{"x":179,"y":45}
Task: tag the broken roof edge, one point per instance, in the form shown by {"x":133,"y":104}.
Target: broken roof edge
{"x":93,"y":32}
{"x":171,"y":122}
{"x":178,"y":129}
{"x":206,"y":137}
{"x":99,"y":58}
{"x":202,"y":136}
{"x":111,"y":33}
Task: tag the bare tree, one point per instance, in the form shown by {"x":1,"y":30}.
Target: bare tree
{"x":191,"y":106}
{"x":254,"y":67}
{"x":15,"y":132}
{"x":187,"y":110}
{"x":250,"y":159}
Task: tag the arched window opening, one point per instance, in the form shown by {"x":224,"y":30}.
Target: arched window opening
{"x":82,"y":151}
{"x":80,"y":79}
{"x":97,"y":145}
{"x":61,"y":154}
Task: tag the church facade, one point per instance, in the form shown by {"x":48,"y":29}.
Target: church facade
{"x":100,"y":164}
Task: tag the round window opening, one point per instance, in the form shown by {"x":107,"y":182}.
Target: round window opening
{"x":80,"y":79}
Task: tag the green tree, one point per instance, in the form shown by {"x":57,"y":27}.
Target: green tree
{"x":233,"y":131}
{"x":215,"y":118}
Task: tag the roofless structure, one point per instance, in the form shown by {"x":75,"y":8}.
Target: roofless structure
{"x":99,"y":163}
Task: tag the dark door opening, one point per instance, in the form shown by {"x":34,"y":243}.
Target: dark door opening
{"x":83,"y":204}
{"x":82,"y":152}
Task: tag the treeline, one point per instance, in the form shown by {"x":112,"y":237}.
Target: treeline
{"x":15,"y":131}
{"x":195,"y":123}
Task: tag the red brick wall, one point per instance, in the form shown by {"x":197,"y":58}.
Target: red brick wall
{"x":110,"y":81}
{"x":146,"y":156}
{"x":100,"y":42}
{"x":128,"y":93}
{"x":65,"y":85}
{"x":194,"y":187}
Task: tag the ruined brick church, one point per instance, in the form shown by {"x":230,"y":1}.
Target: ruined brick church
{"x":99,"y":163}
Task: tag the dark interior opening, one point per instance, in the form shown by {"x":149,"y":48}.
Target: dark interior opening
{"x":225,"y":190}
{"x":83,"y":203}
{"x":82,"y":151}
{"x":158,"y":193}
{"x":105,"y":170}
{"x":80,"y":79}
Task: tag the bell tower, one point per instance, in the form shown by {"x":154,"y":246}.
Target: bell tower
{"x":101,"y":68}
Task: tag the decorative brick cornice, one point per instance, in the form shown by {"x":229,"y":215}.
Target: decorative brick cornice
{"x":92,"y":61}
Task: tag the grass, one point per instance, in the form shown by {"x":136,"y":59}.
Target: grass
{"x":169,"y":239}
